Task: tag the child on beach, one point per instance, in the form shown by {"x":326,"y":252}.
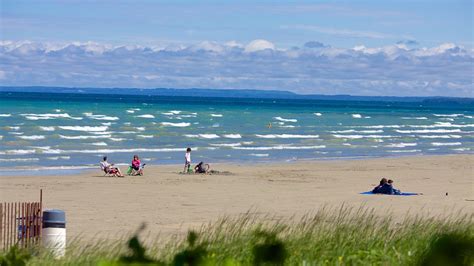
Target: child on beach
{"x":187,"y":160}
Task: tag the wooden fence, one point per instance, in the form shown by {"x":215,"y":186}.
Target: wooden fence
{"x":20,"y":223}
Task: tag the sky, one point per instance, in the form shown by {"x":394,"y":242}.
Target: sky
{"x":396,"y":48}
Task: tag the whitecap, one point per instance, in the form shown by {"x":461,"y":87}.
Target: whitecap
{"x":399,"y":151}
{"x":20,"y":160}
{"x":140,"y":128}
{"x":362,"y":136}
{"x":13,"y":128}
{"x":216,"y":115}
{"x":99,"y":144}
{"x":183,"y":124}
{"x":447,"y":115}
{"x":286,"y":136}
{"x":281,"y":147}
{"x":462,"y":149}
{"x":33,"y":137}
{"x":130,"y":111}
{"x":232,"y":136}
{"x":428,"y":131}
{"x":55,"y":158}
{"x":85,"y":137}
{"x":401,"y":145}
{"x":226,"y":144}
{"x":5,"y":115}
{"x":46,"y":128}
{"x":318,"y":114}
{"x":117,"y":139}
{"x":101,"y":117}
{"x":145,"y":116}
{"x":279,"y":118}
{"x":106,"y":124}
{"x":84,"y":128}
{"x":145,"y":136}
{"x":49,"y":116}
{"x":204,"y":136}
{"x":357,"y":131}
{"x":356,"y":116}
{"x":416,"y":118}
{"x":260,"y":154}
{"x":446,"y":143}
{"x":440,"y":136}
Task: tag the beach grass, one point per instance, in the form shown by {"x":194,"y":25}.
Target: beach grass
{"x":343,"y":236}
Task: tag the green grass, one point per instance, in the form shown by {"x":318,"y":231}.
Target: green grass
{"x":343,"y":236}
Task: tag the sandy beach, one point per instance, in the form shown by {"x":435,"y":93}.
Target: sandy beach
{"x":169,"y":202}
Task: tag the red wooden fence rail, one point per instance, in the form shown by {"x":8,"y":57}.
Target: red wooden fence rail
{"x":20,"y":223}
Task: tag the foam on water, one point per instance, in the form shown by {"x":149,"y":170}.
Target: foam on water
{"x":99,"y":143}
{"x":356,"y":116}
{"x":428,"y":131}
{"x":5,"y":115}
{"x":49,"y":116}
{"x":362,"y":136}
{"x":169,"y":124}
{"x":226,"y":144}
{"x":286,"y":136}
{"x":416,"y":118}
{"x":145,"y":116}
{"x":439,"y":136}
{"x":33,"y":137}
{"x":85,"y":137}
{"x":85,"y":128}
{"x":401,"y":145}
{"x":446,"y":143}
{"x":401,"y":151}
{"x":358,"y":131}
{"x":281,"y":147}
{"x":279,"y":118}
{"x":318,"y":114}
{"x":101,"y":117}
{"x":259,"y":154}
{"x":232,"y":136}
{"x":204,"y":136}
{"x":46,"y":128}
{"x":19,"y":160}
{"x":145,"y":136}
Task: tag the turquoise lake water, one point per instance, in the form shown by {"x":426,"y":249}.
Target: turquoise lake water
{"x":72,"y":132}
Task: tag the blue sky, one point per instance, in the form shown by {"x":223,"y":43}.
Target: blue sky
{"x":347,"y":40}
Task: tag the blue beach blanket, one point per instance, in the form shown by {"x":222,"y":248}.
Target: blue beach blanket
{"x":402,"y":194}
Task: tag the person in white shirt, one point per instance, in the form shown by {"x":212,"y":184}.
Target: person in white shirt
{"x":187,"y":160}
{"x":110,"y":168}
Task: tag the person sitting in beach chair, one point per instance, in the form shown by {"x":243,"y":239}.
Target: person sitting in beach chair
{"x":110,"y":169}
{"x":136,"y":168}
{"x":201,"y":168}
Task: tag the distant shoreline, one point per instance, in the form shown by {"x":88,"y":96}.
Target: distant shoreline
{"x":228,"y":93}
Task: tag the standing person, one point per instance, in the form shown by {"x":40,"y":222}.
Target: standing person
{"x":187,"y":160}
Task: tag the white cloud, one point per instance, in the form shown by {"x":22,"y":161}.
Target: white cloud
{"x":397,"y":69}
{"x":258,"y":45}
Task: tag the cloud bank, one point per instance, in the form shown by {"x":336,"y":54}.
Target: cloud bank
{"x":317,"y":68}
